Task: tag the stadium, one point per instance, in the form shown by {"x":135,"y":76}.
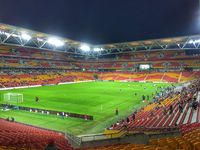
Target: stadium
{"x":98,"y":95}
{"x":140,"y":95}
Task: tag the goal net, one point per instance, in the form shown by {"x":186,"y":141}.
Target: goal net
{"x":13,"y":97}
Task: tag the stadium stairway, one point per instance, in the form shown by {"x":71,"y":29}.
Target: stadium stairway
{"x":150,"y":117}
{"x":196,"y":114}
{"x":188,"y":116}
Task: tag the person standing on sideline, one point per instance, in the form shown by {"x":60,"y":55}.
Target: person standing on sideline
{"x":36,"y":99}
{"x":116,"y":112}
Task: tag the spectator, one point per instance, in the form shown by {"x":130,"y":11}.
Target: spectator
{"x":127,"y":120}
{"x":195,"y":104}
{"x":8,"y":119}
{"x":180,"y":108}
{"x":190,"y":104}
{"x":164,"y":111}
{"x":170,"y":109}
{"x":12,"y":119}
{"x":51,"y":145}
{"x":148,"y":97}
{"x":133,"y":117}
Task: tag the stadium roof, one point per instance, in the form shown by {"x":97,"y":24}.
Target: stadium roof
{"x":12,"y":35}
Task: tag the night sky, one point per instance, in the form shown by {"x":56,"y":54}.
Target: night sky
{"x":104,"y":21}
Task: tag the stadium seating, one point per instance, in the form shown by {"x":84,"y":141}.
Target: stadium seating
{"x":42,"y":78}
{"x":158,"y":115}
{"x":21,"y":137}
{"x":20,"y":57}
{"x":189,"y":140}
{"x":25,"y":67}
{"x":26,"y":77}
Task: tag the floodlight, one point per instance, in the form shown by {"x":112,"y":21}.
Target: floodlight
{"x":55,"y":42}
{"x":191,"y":41}
{"x":5,"y":33}
{"x":2,"y":32}
{"x":39,"y":39}
{"x":197,"y":41}
{"x":85,"y":47}
{"x":194,"y":41}
{"x":98,"y":49}
{"x":15,"y":35}
{"x":25,"y":36}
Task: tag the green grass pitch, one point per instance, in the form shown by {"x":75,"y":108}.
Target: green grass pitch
{"x":99,"y":99}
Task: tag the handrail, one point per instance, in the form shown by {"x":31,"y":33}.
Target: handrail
{"x":74,"y":138}
{"x":103,"y":136}
{"x":121,"y":133}
{"x":79,"y":139}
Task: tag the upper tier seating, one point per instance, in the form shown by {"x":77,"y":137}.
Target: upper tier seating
{"x":13,"y":56}
{"x":32,"y":53}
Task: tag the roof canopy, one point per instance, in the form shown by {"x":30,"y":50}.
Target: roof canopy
{"x":12,"y":35}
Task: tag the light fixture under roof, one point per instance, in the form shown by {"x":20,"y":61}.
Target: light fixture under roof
{"x":85,"y":47}
{"x":96,"y":49}
{"x":194,"y":41}
{"x":56,"y":42}
{"x":25,"y":36}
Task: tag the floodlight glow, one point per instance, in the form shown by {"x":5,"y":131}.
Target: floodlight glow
{"x":39,"y":39}
{"x":197,"y":41}
{"x":85,"y":48}
{"x":2,"y":32}
{"x":25,"y":36}
{"x":55,"y":42}
{"x":194,"y":41}
{"x":191,"y":41}
{"x":14,"y":35}
{"x":98,"y":49}
{"x":5,"y":33}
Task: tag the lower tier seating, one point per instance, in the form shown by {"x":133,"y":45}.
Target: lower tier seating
{"x":16,"y":136}
{"x":174,"y":109}
{"x":26,"y":77}
{"x":189,"y":140}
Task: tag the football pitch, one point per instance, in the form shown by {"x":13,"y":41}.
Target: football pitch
{"x":99,"y":99}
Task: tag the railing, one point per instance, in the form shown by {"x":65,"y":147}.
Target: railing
{"x":103,"y":136}
{"x":85,"y":138}
{"x":95,"y":137}
{"x":74,"y":138}
{"x":153,"y":130}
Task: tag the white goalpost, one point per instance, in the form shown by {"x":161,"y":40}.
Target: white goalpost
{"x":13,"y":97}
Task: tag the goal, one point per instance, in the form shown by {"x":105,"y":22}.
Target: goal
{"x":13,"y":97}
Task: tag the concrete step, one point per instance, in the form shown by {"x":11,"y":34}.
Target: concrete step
{"x":187,"y":116}
{"x":177,"y":112}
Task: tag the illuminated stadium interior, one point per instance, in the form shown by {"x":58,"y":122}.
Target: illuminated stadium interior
{"x":140,"y":95}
